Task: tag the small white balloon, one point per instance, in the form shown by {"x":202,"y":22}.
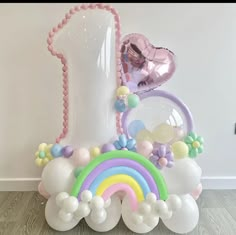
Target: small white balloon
{"x":151,"y":198}
{"x":174,"y":202}
{"x":52,"y":217}
{"x":66,"y":217}
{"x":144,"y":208}
{"x":128,"y":220}
{"x":60,"y":198}
{"x":97,"y":203}
{"x":113,"y":217}
{"x":107,"y":203}
{"x":151,"y":220}
{"x":137,"y":218}
{"x":83,"y":210}
{"x":166,"y":215}
{"x":70,"y":204}
{"x":160,"y":207}
{"x":86,"y":196}
{"x":98,"y":217}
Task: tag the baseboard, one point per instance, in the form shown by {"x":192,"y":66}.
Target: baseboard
{"x":19,"y":184}
{"x":31,"y":184}
{"x":221,"y":182}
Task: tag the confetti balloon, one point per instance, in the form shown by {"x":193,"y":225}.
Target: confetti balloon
{"x":144,"y":135}
{"x":134,"y":127}
{"x":163,"y":133}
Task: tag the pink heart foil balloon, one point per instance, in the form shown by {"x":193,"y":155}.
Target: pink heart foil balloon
{"x":144,"y":65}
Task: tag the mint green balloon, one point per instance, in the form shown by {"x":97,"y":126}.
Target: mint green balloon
{"x":133,"y":100}
{"x":42,"y":154}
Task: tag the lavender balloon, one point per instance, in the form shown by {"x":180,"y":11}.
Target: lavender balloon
{"x":162,"y":156}
{"x":67,"y":151}
{"x":107,"y":148}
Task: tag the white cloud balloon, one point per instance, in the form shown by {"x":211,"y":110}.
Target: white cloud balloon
{"x":185,"y":219}
{"x":58,"y":176}
{"x":183,"y":178}
{"x":113,"y":216}
{"x":53,"y":219}
{"x":136,"y":224}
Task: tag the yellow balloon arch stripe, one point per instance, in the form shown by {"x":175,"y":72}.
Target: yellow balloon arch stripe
{"x":125,"y":179}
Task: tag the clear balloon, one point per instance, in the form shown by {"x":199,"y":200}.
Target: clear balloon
{"x":185,"y":219}
{"x":144,"y":135}
{"x":163,"y":133}
{"x":134,"y":127}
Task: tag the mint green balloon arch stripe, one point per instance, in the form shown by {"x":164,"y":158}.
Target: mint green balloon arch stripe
{"x":156,"y":174}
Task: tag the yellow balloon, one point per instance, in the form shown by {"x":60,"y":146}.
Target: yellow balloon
{"x":94,"y":152}
{"x":45,"y":161}
{"x":48,"y":148}
{"x":163,"y":133}
{"x":38,"y":162}
{"x":42,"y":147}
{"x":180,"y":149}
{"x":122,"y":90}
{"x":144,"y":135}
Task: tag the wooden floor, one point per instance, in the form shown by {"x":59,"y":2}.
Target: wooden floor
{"x":22,"y":213}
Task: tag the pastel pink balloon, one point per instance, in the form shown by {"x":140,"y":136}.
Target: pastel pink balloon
{"x":42,"y":191}
{"x":148,"y":66}
{"x":162,"y":161}
{"x":81,"y":157}
{"x":179,"y":133}
{"x":144,"y":148}
{"x":197,"y":192}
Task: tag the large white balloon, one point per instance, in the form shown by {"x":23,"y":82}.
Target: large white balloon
{"x":185,"y":219}
{"x":58,"y":176}
{"x":184,"y":177}
{"x":53,"y":219}
{"x":113,"y":217}
{"x":129,"y":222}
{"x":88,"y":41}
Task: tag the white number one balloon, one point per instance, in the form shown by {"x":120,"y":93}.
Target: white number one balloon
{"x":87,"y":44}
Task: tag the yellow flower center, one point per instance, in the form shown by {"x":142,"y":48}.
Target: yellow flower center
{"x":196,"y":144}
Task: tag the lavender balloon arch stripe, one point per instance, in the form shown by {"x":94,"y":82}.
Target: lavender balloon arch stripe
{"x":164,"y":94}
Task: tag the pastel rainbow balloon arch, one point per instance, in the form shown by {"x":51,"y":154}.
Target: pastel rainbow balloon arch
{"x":143,"y":174}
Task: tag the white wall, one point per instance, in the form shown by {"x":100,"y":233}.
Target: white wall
{"x":202,"y":36}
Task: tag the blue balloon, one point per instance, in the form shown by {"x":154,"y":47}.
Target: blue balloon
{"x":56,"y":150}
{"x":134,"y":127}
{"x":120,"y":106}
